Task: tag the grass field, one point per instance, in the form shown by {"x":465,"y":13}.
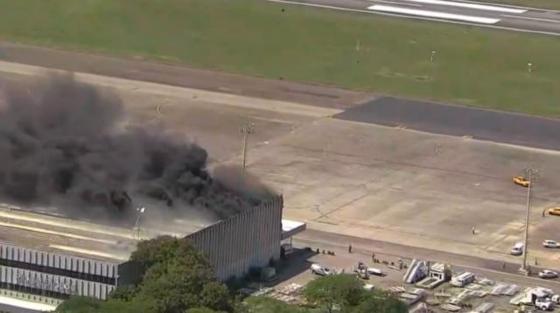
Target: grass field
{"x":472,"y":66}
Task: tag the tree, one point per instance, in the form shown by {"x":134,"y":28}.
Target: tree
{"x":379,"y":302}
{"x":336,"y":291}
{"x":200,"y":310}
{"x":175,"y":278}
{"x":269,"y":305}
{"x":178,"y":277}
{"x":79,"y":305}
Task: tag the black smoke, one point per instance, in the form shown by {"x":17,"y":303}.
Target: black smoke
{"x":66,"y":144}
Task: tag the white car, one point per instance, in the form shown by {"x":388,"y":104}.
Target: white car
{"x":544,"y":304}
{"x":551,"y":244}
{"x":321,"y":270}
{"x":517,"y":249}
{"x":548,"y":274}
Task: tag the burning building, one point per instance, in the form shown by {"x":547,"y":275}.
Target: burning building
{"x":75,"y":174}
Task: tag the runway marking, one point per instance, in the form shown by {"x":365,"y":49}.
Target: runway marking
{"x":330,"y":7}
{"x":532,"y":18}
{"x":475,"y":6}
{"x":400,"y":3}
{"x":56,"y":233}
{"x":434,"y":14}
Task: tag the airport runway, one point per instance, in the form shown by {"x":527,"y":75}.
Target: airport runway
{"x":460,"y":12}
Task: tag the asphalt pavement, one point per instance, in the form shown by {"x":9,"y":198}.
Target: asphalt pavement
{"x":503,"y":127}
{"x":504,"y":271}
{"x":499,"y":16}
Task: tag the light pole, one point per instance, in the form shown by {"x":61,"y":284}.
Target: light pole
{"x":246,"y":130}
{"x":432,"y":56}
{"x":530,"y":176}
{"x":138,"y":217}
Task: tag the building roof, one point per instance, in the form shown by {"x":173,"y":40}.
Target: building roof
{"x":291,"y":228}
{"x":49,"y":233}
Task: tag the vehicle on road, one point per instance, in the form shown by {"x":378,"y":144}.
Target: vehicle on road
{"x":521,"y":181}
{"x":321,"y":270}
{"x":554,"y":211}
{"x":551,"y":244}
{"x":375,"y":271}
{"x":463,"y":279}
{"x":517,"y":249}
{"x":544,"y":304}
{"x":548,"y":274}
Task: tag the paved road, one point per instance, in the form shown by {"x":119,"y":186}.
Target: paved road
{"x":510,"y":128}
{"x":386,"y":251}
{"x":463,"y":12}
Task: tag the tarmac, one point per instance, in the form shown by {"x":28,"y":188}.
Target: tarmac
{"x":517,"y":129}
{"x":357,"y":178}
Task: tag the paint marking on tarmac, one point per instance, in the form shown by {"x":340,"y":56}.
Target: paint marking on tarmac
{"x":434,"y":14}
{"x":399,"y":3}
{"x":474,"y":6}
{"x":532,"y":18}
{"x":330,"y":7}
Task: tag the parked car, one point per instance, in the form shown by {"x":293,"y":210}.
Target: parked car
{"x":554,"y":211}
{"x":521,"y":181}
{"x":517,"y":249}
{"x":544,"y":304}
{"x":550,"y":244}
{"x":548,"y":274}
{"x":555,"y":299}
{"x":375,"y":271}
{"x":321,"y":270}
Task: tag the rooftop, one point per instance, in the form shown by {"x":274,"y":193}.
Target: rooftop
{"x":22,"y":227}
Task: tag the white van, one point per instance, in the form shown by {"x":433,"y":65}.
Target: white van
{"x":321,"y":270}
{"x":463,"y":279}
{"x":517,"y":249}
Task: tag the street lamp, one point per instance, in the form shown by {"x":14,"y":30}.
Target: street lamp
{"x":530,"y":172}
{"x":246,"y":130}
{"x":140,"y":212}
{"x":432,"y":56}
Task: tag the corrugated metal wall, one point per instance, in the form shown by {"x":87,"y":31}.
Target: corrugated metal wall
{"x":57,"y":261}
{"x":62,"y":285}
{"x":246,"y":240}
{"x":57,"y":273}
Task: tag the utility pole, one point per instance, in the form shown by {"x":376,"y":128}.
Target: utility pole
{"x":138,"y":217}
{"x":530,"y":176}
{"x":246,"y":130}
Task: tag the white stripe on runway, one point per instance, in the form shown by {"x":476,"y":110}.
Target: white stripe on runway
{"x":399,"y":3}
{"x":434,"y":14}
{"x":532,"y":18}
{"x":471,"y":6}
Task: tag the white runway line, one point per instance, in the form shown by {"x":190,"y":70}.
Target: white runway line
{"x":434,"y":14}
{"x":532,"y":18}
{"x":474,"y":6}
{"x":399,"y":3}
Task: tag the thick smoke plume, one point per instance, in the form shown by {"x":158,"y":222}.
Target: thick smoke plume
{"x":65,"y":144}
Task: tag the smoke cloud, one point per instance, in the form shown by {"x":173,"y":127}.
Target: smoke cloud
{"x":66,"y":144}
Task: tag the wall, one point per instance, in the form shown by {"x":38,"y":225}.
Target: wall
{"x":56,"y":275}
{"x":249,"y":239}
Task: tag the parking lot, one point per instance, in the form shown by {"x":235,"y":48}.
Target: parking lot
{"x":488,"y":287}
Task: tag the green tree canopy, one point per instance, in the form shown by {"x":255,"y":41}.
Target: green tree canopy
{"x":269,"y":305}
{"x":336,"y":291}
{"x":175,"y":278}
